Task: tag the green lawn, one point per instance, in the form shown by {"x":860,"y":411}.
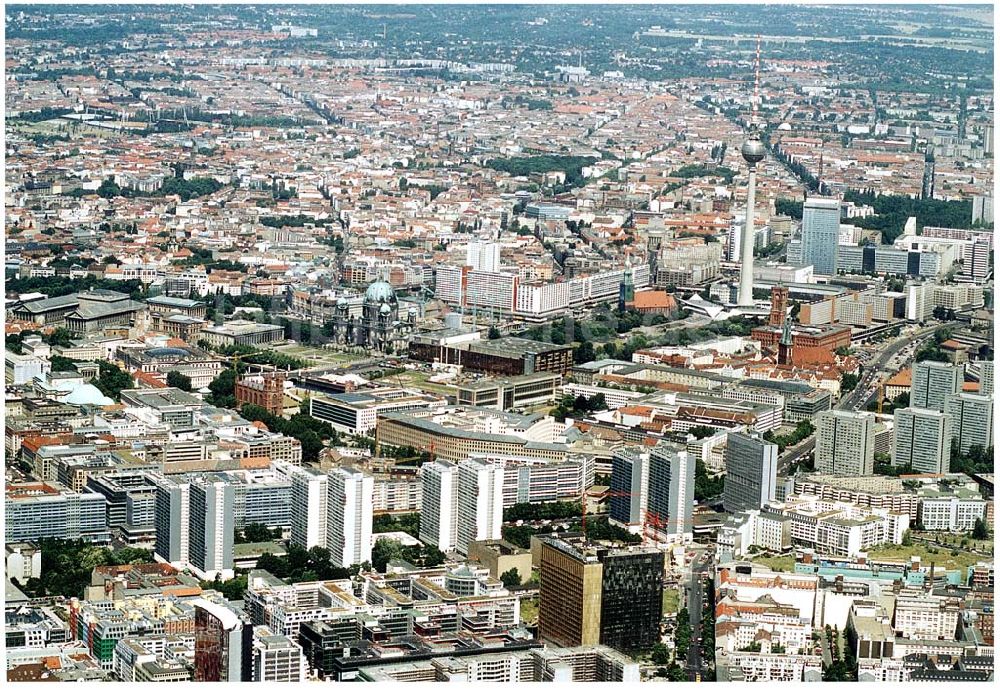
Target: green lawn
{"x":782,"y":563}
{"x":942,"y":558}
{"x":316,"y":355}
{"x":420,"y":381}
{"x":529,"y":610}
{"x":671,"y":601}
{"x":955,"y":540}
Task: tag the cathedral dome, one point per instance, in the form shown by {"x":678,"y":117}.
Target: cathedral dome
{"x":380,"y":291}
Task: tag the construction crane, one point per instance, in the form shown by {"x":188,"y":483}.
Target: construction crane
{"x":652,"y":522}
{"x":649,"y":519}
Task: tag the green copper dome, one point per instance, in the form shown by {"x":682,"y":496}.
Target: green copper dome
{"x":379,"y":291}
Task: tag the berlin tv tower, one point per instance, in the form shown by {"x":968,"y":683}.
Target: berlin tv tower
{"x":753,"y":152}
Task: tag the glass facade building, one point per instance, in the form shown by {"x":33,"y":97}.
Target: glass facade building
{"x":631,"y":599}
{"x":820,"y":234}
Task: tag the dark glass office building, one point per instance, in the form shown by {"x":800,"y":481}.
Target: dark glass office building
{"x":631,"y":599}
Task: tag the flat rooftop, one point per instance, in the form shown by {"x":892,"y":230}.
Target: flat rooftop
{"x":514,"y":347}
{"x":237,"y":328}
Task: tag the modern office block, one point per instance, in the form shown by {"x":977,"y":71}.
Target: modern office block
{"x":483,"y":256}
{"x":349,"y":516}
{"x":591,"y":594}
{"x":221,"y":639}
{"x":986,"y":378}
{"x":276,"y":658}
{"x":194,"y":523}
{"x":845,"y":443}
{"x":125,"y":492}
{"x":671,"y":491}
{"x":439,"y":515}
{"x":971,"y":420}
{"x":37,"y":510}
{"x":629,"y":482}
{"x":171,"y":517}
{"x":751,"y":472}
{"x":922,"y":440}
{"x":653,"y":490}
{"x":569,"y":601}
{"x":480,"y":502}
{"x":211,"y":527}
{"x":820,"y":234}
{"x":631,"y":599}
{"x":461,"y":503}
{"x":310,"y":494}
{"x":933,"y":382}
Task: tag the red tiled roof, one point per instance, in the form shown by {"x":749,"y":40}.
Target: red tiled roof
{"x":903,"y":379}
{"x":652,"y":299}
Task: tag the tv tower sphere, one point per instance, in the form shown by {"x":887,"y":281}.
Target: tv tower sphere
{"x":753,"y":149}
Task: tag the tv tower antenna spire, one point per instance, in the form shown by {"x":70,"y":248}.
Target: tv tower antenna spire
{"x":756,"y":87}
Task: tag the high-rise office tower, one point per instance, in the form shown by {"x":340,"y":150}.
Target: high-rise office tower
{"x":628,"y":485}
{"x":439,"y":501}
{"x":734,"y":239}
{"x":631,"y":598}
{"x":480,"y":502}
{"x":653,"y":490}
{"x":751,"y":472}
{"x":309,"y":507}
{"x":194,"y":521}
{"x":569,"y":597}
{"x":484,"y":256}
{"x":921,"y":438}
{"x":172,"y":511}
{"x":933,"y":382}
{"x":349,"y":516}
{"x":977,"y":262}
{"x":593,"y":595}
{"x":845,"y":443}
{"x":671,"y":491}
{"x":221,"y":641}
{"x":971,"y":420}
{"x":626,"y":290}
{"x":212,"y":524}
{"x":821,"y":234}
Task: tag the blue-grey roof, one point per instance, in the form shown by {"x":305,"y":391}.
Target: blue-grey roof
{"x":164,"y":352}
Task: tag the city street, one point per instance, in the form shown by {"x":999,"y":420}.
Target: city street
{"x":858,"y":398}
{"x":868,"y":385}
{"x":695,"y":600}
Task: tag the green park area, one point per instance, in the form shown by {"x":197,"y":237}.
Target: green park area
{"x":317,"y":356}
{"x":671,"y":601}
{"x":939,"y":556}
{"x":778,"y":563}
{"x":420,"y":380}
{"x":529,"y":610}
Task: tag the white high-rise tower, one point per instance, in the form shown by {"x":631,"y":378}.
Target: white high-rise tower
{"x":349,"y":516}
{"x":753,"y":153}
